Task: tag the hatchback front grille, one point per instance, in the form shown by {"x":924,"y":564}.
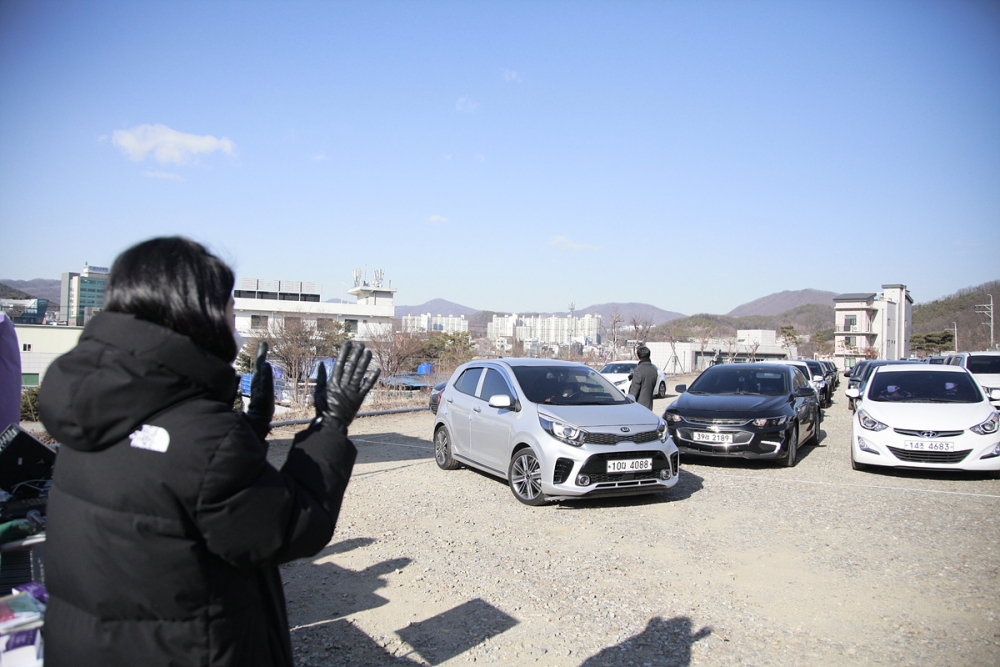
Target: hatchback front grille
{"x":614,"y":438}
{"x":927,"y":433}
{"x":929,"y":457}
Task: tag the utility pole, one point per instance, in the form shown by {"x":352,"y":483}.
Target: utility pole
{"x":987,"y":309}
{"x":955,"y":324}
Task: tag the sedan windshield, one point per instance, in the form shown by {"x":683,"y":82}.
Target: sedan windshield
{"x":566,"y":385}
{"x":984,"y":364}
{"x":924,"y":387}
{"x":618,"y":368}
{"x":736,"y":380}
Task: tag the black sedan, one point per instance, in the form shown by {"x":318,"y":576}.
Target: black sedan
{"x":751,"y":411}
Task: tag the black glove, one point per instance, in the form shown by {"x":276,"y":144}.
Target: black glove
{"x":261,"y":408}
{"x":339,"y":398}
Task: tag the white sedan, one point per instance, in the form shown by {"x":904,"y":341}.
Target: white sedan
{"x":926,"y":417}
{"x":619,"y":373}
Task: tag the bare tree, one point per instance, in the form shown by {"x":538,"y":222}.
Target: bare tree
{"x":292,"y":344}
{"x":612,"y":331}
{"x":752,"y":349}
{"x":788,"y":338}
{"x":641,"y":323}
{"x":732,"y":348}
{"x":393,"y":349}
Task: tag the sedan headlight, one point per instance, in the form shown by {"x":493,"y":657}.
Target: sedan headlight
{"x":988,"y":427}
{"x":571,"y":435}
{"x":870,"y":423}
{"x":673,"y":417}
{"x":769,"y":422}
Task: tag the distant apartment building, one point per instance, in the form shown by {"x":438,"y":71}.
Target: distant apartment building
{"x":430,"y":323}
{"x":547,"y":330}
{"x":82,"y":294}
{"x":263,"y":305}
{"x":872,"y":325}
{"x":40,"y":345}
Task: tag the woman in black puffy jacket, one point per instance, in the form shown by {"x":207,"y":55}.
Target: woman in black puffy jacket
{"x":166,"y":523}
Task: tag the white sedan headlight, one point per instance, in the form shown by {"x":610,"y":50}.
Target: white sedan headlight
{"x":571,"y":435}
{"x":988,"y":427}
{"x":869,"y":423}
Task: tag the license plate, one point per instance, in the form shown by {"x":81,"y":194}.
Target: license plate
{"x":718,"y":438}
{"x":926,"y":446}
{"x":629,"y":465}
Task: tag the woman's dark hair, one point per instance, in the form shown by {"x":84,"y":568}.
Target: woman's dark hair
{"x":178,"y":284}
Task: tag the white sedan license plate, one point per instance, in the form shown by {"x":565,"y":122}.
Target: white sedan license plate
{"x":925,"y":446}
{"x":629,"y":465}
{"x":718,"y":438}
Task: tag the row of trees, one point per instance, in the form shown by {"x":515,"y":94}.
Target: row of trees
{"x":297,"y":346}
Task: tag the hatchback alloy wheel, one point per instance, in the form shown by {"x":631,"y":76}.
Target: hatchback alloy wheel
{"x":525,"y":475}
{"x":442,"y":450}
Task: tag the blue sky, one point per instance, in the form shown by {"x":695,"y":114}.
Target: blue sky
{"x":512,"y":156}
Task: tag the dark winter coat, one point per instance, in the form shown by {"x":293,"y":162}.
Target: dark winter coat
{"x":644,"y":379}
{"x":166,"y":523}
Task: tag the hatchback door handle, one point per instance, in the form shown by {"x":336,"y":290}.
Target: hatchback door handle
{"x":451,"y":400}
{"x":477,"y":409}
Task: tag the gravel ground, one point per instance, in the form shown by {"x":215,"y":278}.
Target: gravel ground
{"x":739,"y":564}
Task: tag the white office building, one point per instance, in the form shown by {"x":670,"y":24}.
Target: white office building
{"x":263,"y":304}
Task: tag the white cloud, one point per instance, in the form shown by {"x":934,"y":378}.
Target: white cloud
{"x":566,"y":243}
{"x":165,"y":144}
{"x":438,"y":220}
{"x":466,"y":105}
{"x":165,"y":175}
{"x":509,"y":75}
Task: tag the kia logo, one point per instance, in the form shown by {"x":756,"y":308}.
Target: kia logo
{"x":626,"y":429}
{"x":928,"y":434}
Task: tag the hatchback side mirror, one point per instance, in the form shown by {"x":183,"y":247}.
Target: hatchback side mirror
{"x":500,"y":401}
{"x":681,"y":388}
{"x":852,"y":392}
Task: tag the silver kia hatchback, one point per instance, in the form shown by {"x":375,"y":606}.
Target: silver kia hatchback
{"x":553,"y":429}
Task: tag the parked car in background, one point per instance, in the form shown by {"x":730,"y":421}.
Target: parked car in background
{"x":619,"y":373}
{"x":435,"y":396}
{"x":923,"y":416}
{"x":831,"y":374}
{"x":985,"y":366}
{"x":553,"y":430}
{"x":751,"y":411}
{"x":936,"y":359}
{"x":814,"y":374}
{"x":856,"y":371}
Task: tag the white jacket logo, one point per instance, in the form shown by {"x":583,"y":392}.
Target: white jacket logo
{"x":150,"y":437}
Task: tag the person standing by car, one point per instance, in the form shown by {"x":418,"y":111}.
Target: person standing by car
{"x":166,"y":522}
{"x":644,"y":379}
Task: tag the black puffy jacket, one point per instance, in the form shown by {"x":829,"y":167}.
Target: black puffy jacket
{"x":166,"y":523}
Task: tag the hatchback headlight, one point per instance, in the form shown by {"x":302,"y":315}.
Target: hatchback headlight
{"x":769,"y":422}
{"x":988,"y":427}
{"x":869,"y":423}
{"x":571,"y":435}
{"x":661,"y":430}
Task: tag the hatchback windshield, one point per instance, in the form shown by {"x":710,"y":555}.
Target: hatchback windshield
{"x":566,"y":385}
{"x":984,"y":364}
{"x":736,"y":380}
{"x":924,"y":387}
{"x":618,"y":368}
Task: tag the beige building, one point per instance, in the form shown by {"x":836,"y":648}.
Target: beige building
{"x":40,"y":345}
{"x":872,"y":325}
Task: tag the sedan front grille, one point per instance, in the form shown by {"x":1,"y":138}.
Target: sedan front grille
{"x":927,"y":433}
{"x":929,"y":457}
{"x":614,"y":438}
{"x":708,"y":421}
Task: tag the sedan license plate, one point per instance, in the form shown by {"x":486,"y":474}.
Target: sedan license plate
{"x":719,"y":438}
{"x":925,"y":446}
{"x":629,"y":465}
